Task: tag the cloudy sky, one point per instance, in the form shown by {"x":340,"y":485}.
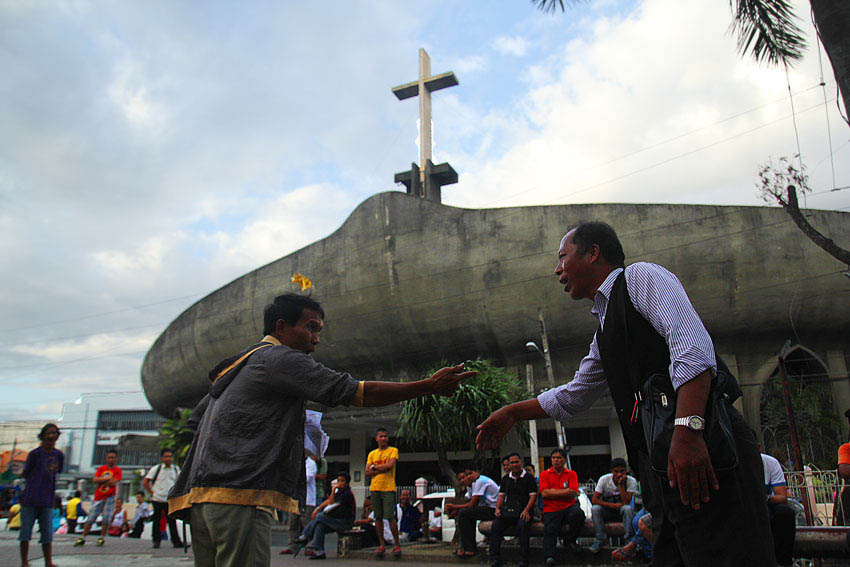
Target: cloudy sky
{"x":151,"y":152}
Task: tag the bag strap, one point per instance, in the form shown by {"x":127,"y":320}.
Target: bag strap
{"x":156,"y":474}
{"x":239,"y":361}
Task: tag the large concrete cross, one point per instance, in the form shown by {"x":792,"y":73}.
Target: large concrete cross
{"x":426,"y":179}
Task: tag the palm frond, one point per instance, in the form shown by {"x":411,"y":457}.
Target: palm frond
{"x":768,"y":30}
{"x":551,"y":5}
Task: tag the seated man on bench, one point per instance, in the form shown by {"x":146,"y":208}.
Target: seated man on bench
{"x":336,"y":514}
{"x":514,"y":507}
{"x":559,"y":489}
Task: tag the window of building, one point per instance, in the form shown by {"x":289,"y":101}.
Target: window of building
{"x":129,"y":420}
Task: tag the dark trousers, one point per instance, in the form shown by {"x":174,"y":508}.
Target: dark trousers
{"x":138,"y":528}
{"x":784,"y":526}
{"x":552,"y":522}
{"x":160,"y":509}
{"x":732,"y":529}
{"x":497,"y":531}
{"x":72,"y":525}
{"x":466,"y":519}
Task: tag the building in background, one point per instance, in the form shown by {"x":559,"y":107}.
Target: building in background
{"x":94,"y":424}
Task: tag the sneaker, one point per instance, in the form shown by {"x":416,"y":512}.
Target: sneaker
{"x":318,"y":556}
{"x":595,"y":547}
{"x":80,"y":542}
{"x":286,"y":551}
{"x":100,"y":542}
{"x":550,"y":562}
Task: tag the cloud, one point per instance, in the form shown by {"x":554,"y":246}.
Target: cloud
{"x":511,"y":45}
{"x":94,"y":346}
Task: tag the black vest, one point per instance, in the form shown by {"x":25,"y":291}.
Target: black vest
{"x":627,"y":338}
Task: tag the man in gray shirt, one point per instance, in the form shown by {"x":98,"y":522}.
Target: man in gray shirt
{"x":247,"y":456}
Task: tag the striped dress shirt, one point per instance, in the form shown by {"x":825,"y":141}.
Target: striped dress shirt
{"x":659,"y":297}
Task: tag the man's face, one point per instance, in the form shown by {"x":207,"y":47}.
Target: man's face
{"x":111,"y":459}
{"x":383,"y":439}
{"x":341,"y":483}
{"x":461,"y":477}
{"x":573,"y":270}
{"x":405,"y":498}
{"x":51,"y":435}
{"x":618,"y":474}
{"x":167,"y":457}
{"x":304,"y":335}
{"x":367,"y":504}
{"x":506,"y":466}
{"x":118,"y":503}
{"x":140,"y":498}
{"x":471,"y":477}
{"x":515,"y":464}
{"x":558,"y":461}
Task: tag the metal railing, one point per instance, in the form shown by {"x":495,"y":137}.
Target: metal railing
{"x":818,"y":491}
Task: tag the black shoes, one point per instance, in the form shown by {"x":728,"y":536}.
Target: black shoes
{"x":156,"y":545}
{"x":318,"y":556}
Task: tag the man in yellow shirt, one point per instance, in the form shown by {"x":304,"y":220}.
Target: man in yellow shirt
{"x":14,"y":518}
{"x":73,"y":511}
{"x":380,"y":465}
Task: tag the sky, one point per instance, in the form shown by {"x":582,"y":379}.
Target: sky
{"x":151,"y":152}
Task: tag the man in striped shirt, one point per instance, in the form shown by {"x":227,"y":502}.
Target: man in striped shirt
{"x":705,"y":518}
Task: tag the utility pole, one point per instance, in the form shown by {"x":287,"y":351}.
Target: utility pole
{"x":792,"y":428}
{"x":559,"y":428}
{"x":532,"y":424}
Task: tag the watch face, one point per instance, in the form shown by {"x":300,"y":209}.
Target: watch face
{"x":696,"y":422}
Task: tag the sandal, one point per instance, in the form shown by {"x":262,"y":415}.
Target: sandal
{"x":396,"y":551}
{"x":620,"y":555}
{"x":380,"y":550}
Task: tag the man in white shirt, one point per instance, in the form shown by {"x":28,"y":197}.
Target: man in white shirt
{"x":297,"y":522}
{"x":482,"y":506}
{"x":782,"y":516}
{"x":612,"y":501}
{"x":143,"y":512}
{"x":158,"y":482}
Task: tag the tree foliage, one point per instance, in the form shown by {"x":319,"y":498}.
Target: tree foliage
{"x":449,"y":423}
{"x":175,"y":434}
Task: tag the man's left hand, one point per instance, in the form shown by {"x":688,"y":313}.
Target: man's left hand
{"x":689,"y":467}
{"x":526,"y":517}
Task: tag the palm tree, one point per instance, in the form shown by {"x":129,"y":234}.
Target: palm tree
{"x":449,"y":424}
{"x":176,"y":435}
{"x":767,"y":30}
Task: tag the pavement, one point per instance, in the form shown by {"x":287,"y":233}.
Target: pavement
{"x":125,"y":552}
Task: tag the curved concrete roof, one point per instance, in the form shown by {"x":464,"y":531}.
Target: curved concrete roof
{"x":406,"y":283}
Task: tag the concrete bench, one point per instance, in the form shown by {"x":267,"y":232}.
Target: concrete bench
{"x":613,"y":529}
{"x":348,"y":541}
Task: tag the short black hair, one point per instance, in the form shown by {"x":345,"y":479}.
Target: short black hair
{"x":514,"y":454}
{"x":288,"y":307}
{"x":166,"y":450}
{"x":506,"y":457}
{"x":472,"y":467}
{"x":559,"y":451}
{"x":586,"y":234}
{"x":77,"y":494}
{"x":344,"y":475}
{"x":112,"y":451}
{"x":618,"y":462}
{"x":140,"y":492}
{"x":381,"y":430}
{"x":44,"y":429}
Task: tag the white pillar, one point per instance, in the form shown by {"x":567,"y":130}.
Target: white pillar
{"x":357,"y":458}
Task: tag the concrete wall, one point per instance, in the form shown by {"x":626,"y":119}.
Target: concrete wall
{"x":407,"y":283}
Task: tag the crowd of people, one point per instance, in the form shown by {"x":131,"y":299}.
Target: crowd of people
{"x":706,"y":495}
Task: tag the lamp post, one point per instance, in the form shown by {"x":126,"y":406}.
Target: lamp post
{"x":532,"y":424}
{"x":544,"y":354}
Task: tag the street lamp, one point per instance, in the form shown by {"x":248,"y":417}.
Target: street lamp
{"x":531,"y":346}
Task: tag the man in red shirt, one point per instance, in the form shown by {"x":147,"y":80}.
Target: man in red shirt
{"x":559,"y":489}
{"x":106,"y":478}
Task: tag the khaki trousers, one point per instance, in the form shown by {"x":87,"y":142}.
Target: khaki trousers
{"x":227,"y":535}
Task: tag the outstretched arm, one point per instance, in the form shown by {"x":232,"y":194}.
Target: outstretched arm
{"x":495,"y":427}
{"x":444,"y":382}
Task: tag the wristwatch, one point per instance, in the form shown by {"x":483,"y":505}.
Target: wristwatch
{"x":692,"y":422}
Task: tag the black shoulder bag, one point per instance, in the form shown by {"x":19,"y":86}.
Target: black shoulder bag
{"x":655,"y":407}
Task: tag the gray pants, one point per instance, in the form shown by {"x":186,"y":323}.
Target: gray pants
{"x":297,"y":523}
{"x":227,"y":535}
